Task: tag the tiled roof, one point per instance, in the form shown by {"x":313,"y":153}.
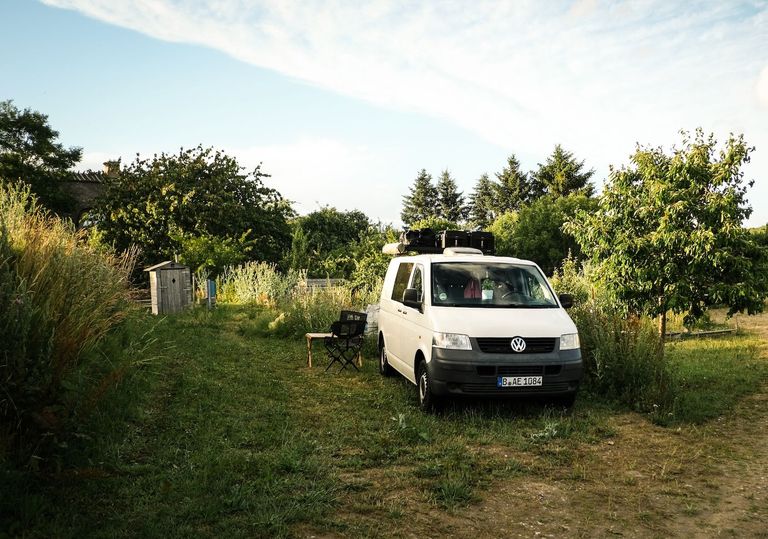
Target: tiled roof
{"x":89,"y":176}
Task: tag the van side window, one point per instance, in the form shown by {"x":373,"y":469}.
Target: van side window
{"x":401,"y":281}
{"x":417,"y":282}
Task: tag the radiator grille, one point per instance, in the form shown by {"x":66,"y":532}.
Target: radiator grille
{"x":501,"y":345}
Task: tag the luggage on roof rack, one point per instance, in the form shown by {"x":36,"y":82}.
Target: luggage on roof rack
{"x":427,"y":241}
{"x":454,"y":238}
{"x":483,"y":241}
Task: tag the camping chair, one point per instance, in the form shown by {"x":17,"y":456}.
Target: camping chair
{"x":347,"y":316}
{"x":345,"y":342}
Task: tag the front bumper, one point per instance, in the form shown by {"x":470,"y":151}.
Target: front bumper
{"x":472,"y":372}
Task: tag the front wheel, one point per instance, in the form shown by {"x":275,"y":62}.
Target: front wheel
{"x":384,"y":367}
{"x":427,"y":400}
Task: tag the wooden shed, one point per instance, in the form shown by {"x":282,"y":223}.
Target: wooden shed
{"x":170,"y":285}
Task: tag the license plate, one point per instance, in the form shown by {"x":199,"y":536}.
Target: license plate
{"x":518,"y":381}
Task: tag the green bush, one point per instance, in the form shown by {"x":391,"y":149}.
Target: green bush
{"x":573,"y":278}
{"x":58,"y":297}
{"x":623,"y":355}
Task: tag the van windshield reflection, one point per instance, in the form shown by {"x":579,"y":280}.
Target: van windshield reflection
{"x":491,"y":285}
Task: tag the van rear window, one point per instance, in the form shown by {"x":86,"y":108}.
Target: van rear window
{"x":401,"y":281}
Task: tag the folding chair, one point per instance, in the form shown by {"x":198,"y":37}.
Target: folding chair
{"x":345,"y":342}
{"x":347,"y":316}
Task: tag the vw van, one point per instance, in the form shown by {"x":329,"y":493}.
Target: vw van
{"x":462,"y":323}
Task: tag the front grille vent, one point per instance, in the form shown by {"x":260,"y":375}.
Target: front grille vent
{"x":519,"y":370}
{"x":501,"y":345}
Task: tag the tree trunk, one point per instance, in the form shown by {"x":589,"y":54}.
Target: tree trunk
{"x":662,"y":325}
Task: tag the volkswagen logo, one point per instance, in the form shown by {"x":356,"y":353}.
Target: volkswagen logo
{"x":517,"y":344}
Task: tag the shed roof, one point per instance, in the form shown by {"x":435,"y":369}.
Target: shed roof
{"x":168,"y":264}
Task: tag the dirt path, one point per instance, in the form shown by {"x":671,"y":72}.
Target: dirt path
{"x":646,"y":481}
{"x":710,"y":481}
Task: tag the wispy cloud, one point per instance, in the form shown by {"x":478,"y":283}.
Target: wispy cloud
{"x":595,"y":76}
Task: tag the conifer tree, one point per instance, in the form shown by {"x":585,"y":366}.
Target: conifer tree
{"x":421,"y":203}
{"x":482,"y":205}
{"x":514,"y":187}
{"x":564,"y":175}
{"x":450,"y":202}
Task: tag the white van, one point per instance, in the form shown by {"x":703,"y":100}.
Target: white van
{"x":462,"y":323}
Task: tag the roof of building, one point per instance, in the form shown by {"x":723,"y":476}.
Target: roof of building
{"x":89,"y":176}
{"x":168,"y":264}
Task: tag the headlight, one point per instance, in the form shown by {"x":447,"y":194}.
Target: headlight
{"x":452,"y":341}
{"x":569,"y":341}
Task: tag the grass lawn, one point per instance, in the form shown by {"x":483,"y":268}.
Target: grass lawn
{"x":222,"y":433}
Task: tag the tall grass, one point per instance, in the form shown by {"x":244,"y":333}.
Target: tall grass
{"x":623,"y":356}
{"x":293,"y":308}
{"x":258,"y":283}
{"x":59,"y":297}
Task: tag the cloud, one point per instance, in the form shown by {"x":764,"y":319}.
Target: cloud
{"x":761,"y":88}
{"x":518,"y":73}
{"x":596,"y":77}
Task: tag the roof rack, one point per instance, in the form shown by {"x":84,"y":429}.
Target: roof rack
{"x":427,"y":241}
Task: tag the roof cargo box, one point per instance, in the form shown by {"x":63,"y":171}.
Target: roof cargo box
{"x":454,"y":238}
{"x":423,"y":241}
{"x":483,"y":241}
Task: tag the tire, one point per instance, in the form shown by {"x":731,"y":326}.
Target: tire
{"x":385,"y":369}
{"x":428,"y":402}
{"x":565,"y":401}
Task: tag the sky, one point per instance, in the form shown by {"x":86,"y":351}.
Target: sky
{"x":344,"y":102}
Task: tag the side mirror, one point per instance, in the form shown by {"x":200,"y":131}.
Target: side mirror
{"x":411,"y":298}
{"x":566,"y":300}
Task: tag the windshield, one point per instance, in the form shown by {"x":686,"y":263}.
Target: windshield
{"x":489,"y":284}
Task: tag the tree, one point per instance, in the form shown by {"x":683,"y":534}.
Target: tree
{"x":667,"y":232}
{"x":482,"y":206}
{"x":324,"y":241}
{"x":435,"y":223}
{"x":30,"y":153}
{"x":212,"y":254}
{"x":369,"y":260}
{"x":450,"y":202}
{"x":536,"y":231}
{"x":196,"y":193}
{"x":563,"y":175}
{"x":503,"y":229}
{"x":514,"y":188}
{"x":422,"y":200}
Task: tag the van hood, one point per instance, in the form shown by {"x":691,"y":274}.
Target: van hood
{"x":492,"y":322}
